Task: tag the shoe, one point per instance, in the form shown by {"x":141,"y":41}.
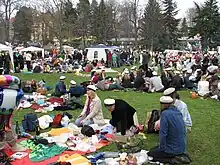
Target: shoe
{"x":18,"y":148}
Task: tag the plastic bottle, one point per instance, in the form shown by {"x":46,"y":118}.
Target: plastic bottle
{"x":27,"y":135}
{"x":37,"y":130}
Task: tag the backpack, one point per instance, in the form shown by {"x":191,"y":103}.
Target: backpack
{"x":87,"y":131}
{"x":57,"y":120}
{"x":155,"y":116}
{"x":30,"y":122}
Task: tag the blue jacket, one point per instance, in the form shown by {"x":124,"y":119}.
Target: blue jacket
{"x":60,"y":89}
{"x":77,"y":91}
{"x":172,"y":132}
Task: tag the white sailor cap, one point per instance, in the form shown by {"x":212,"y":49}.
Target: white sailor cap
{"x":62,"y":77}
{"x":72,"y":82}
{"x":168,"y":91}
{"x":92,"y":87}
{"x":109,"y":102}
{"x":166,"y":100}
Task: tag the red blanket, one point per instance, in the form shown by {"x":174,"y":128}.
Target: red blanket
{"x":27,"y":161}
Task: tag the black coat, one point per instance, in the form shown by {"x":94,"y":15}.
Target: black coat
{"x":177,"y":82}
{"x":122,"y":116}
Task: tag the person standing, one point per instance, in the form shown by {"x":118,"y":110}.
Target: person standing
{"x":145,"y":58}
{"x":114,"y":59}
{"x":21,"y":61}
{"x":28,"y":57}
{"x":172,"y":133}
{"x":109,"y":58}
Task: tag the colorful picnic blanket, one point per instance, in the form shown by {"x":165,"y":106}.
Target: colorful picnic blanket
{"x":27,"y":161}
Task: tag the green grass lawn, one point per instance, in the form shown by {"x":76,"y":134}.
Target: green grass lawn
{"x":203,"y":144}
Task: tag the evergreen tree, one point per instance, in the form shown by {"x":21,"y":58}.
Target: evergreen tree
{"x":70,"y":16}
{"x":83,"y":9}
{"x":207,"y":23}
{"x":23,"y":25}
{"x":184,"y":28}
{"x":152,"y":25}
{"x":102,"y":25}
{"x":170,"y":23}
{"x":94,"y":21}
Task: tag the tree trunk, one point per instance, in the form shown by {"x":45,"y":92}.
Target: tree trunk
{"x":6,"y":24}
{"x":152,"y":44}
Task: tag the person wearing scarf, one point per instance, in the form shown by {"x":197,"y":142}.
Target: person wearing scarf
{"x":92,"y":111}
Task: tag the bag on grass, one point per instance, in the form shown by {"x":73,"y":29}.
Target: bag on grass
{"x":155,"y":116}
{"x":30,"y":122}
{"x":57,"y":120}
{"x":87,"y":131}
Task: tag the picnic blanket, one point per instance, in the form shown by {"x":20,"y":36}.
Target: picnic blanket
{"x":27,"y":161}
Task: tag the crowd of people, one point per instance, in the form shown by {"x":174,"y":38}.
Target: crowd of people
{"x":167,"y":73}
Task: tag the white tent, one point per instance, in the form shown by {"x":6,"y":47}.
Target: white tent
{"x":9,"y":49}
{"x":33,"y":49}
{"x":68,"y":48}
{"x":18,"y":48}
{"x":96,"y":53}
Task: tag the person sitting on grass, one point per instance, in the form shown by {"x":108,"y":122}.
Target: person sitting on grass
{"x":181,"y":106}
{"x":126,"y":80}
{"x":76,"y":90}
{"x":60,"y":89}
{"x":123,"y":115}
{"x":139,"y":82}
{"x":92,"y":111}
{"x":108,"y":85}
{"x":172,"y":133}
{"x":95,"y":78}
{"x":156,"y":81}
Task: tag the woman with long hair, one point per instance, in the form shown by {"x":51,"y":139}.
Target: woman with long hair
{"x":92,"y":111}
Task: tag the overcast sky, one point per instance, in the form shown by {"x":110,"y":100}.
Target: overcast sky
{"x":182,"y":5}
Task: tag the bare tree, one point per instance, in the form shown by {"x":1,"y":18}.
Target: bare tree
{"x":134,"y":19}
{"x":113,"y":7}
{"x":130,"y":13}
{"x":53,"y":11}
{"x":9,"y":7}
{"x":190,"y":15}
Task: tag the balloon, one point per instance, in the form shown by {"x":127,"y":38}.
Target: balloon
{"x":8,"y":81}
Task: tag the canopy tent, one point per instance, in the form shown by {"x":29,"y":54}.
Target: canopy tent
{"x":9,"y":49}
{"x":96,"y":53}
{"x":33,"y":49}
{"x":17,"y":49}
{"x":99,"y":46}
